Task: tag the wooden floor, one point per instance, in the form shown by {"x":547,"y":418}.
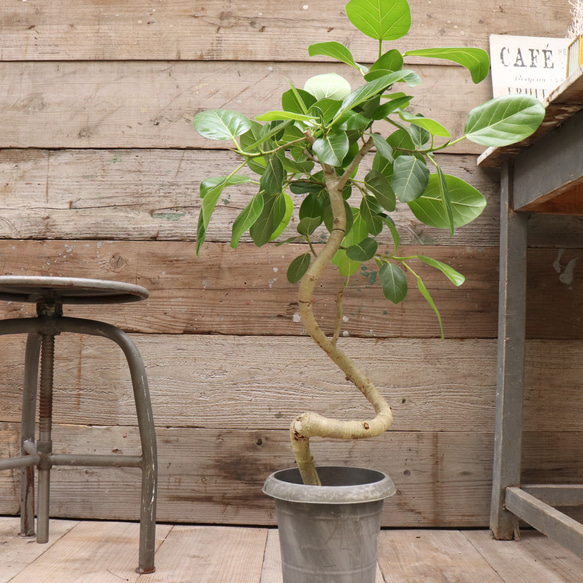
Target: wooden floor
{"x":104,"y":552}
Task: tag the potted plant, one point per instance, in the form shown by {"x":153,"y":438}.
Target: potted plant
{"x":307,"y":157}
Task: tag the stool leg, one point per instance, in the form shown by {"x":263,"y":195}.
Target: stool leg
{"x":45,"y":443}
{"x":27,"y":432}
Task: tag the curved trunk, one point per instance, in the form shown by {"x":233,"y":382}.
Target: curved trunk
{"x":311,"y":424}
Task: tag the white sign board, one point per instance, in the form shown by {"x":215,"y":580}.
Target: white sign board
{"x":527,"y":65}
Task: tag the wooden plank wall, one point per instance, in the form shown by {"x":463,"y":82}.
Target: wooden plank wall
{"x":99,"y":171}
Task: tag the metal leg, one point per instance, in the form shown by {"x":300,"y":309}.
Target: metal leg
{"x":510,"y":377}
{"x":27,"y":432}
{"x":45,"y":444}
{"x":146,"y":427}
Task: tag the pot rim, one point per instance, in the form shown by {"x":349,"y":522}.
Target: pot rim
{"x":370,"y":491}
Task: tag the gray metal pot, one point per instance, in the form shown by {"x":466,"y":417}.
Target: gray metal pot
{"x":329,"y":533}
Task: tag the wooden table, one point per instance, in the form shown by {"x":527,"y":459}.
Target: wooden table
{"x":543,"y":174}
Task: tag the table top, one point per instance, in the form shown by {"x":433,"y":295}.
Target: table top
{"x":68,"y":290}
{"x":561,"y":104}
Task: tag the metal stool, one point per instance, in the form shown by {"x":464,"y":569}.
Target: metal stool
{"x":49,"y":294}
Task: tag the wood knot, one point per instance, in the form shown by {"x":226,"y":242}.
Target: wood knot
{"x":366,"y":425}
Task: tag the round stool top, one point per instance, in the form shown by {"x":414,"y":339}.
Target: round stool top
{"x":68,"y":290}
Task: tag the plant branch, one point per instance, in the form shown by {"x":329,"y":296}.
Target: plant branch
{"x":311,"y":424}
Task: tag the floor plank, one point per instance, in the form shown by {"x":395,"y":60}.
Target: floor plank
{"x":415,"y":556}
{"x":91,"y":552}
{"x":210,"y":554}
{"x":17,"y":552}
{"x":534,"y":558}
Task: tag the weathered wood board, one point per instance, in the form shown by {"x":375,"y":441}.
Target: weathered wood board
{"x":215,"y":475}
{"x":218,"y":30}
{"x":150,"y":104}
{"x":439,"y":385}
{"x":142,"y":194}
{"x":224,"y":292}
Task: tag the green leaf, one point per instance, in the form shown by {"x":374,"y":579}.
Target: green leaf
{"x":446,"y":199}
{"x":504,"y":120}
{"x":432,"y":126}
{"x":265,"y":134}
{"x":409,"y":77}
{"x":221,"y":124}
{"x":328,"y":86}
{"x":394,"y":233}
{"x":393,"y":282}
{"x":312,"y":207}
{"x":369,"y":90}
{"x":272,"y":179}
{"x":383,"y":147}
{"x":327,"y":108}
{"x":304,"y":187}
{"x":283,"y":115}
{"x":297,"y":100}
{"x":332,"y":148}
{"x":269,"y":222}
{"x":346,"y":266}
{"x":476,"y":61}
{"x":454,"y":276}
{"x":425,"y":293}
{"x":246,"y":219}
{"x":298,"y":267}
{"x":336,"y":51}
{"x":466,"y":203}
{"x":308,"y":225}
{"x":370,"y":212}
{"x":381,"y":188}
{"x":380,"y":19}
{"x":410,"y":177}
{"x":210,"y":192}
{"x":289,"y":209}
{"x":363,"y":251}
{"x":387,"y":108}
{"x":391,"y":61}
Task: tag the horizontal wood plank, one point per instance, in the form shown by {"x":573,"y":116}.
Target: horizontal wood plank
{"x":215,"y":475}
{"x":438,"y":385}
{"x":154,"y":194}
{"x":217,"y":30}
{"x":141,"y":104}
{"x":223,"y":291}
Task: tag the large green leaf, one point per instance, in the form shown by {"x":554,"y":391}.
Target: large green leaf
{"x":328,"y":86}
{"x":391,"y":60}
{"x":369,"y":90}
{"x":332,"y":148}
{"x":504,"y":120}
{"x":269,"y":222}
{"x":221,"y":124}
{"x":370,"y":212}
{"x":297,"y":100}
{"x":363,"y":251}
{"x":298,"y":267}
{"x":476,"y":61}
{"x":210,"y":192}
{"x":383,"y":147}
{"x":410,"y":177}
{"x":432,"y":126}
{"x":336,"y":51}
{"x":380,"y":19}
{"x":466,"y":203}
{"x":272,"y":180}
{"x":393,"y":282}
{"x":377,"y":184}
{"x":246,"y":219}
{"x":454,"y":276}
{"x":284,"y":115}
{"x":283,"y":223}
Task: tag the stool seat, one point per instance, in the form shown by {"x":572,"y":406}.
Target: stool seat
{"x":68,"y":290}
{"x":50,"y":293}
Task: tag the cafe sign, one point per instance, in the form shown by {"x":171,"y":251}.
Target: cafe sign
{"x":526,"y":65}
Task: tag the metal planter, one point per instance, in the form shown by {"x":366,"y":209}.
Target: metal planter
{"x":329,"y":533}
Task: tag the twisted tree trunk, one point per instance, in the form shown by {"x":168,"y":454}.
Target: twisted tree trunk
{"x":311,"y":424}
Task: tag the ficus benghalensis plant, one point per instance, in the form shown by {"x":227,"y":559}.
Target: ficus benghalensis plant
{"x":305,"y":159}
